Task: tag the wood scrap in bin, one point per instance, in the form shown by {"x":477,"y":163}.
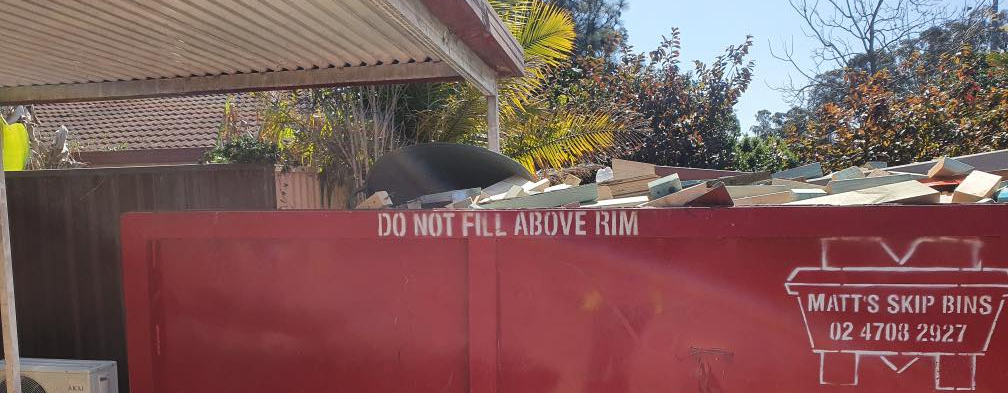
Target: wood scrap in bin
{"x":538,"y":186}
{"x":625,"y":169}
{"x":680,"y":198}
{"x":634,"y":186}
{"x":847,"y":174}
{"x":808,"y":171}
{"x":737,"y":192}
{"x":840,"y":186}
{"x":443,"y":198}
{"x":801,"y":194}
{"x":618,"y":202}
{"x":504,"y":185}
{"x":664,"y":186}
{"x":715,"y":196}
{"x":777,"y":198}
{"x":795,"y":184}
{"x":978,"y":185}
{"x":580,"y":194}
{"x":604,"y":192}
{"x":949,"y":167}
{"x":571,"y":180}
{"x":745,"y":179}
{"x":378,"y":200}
{"x":909,"y":192}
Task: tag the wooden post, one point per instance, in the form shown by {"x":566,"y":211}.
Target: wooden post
{"x":8,"y":316}
{"x":493,"y":123}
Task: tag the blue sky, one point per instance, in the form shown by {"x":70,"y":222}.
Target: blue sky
{"x":709,"y":26}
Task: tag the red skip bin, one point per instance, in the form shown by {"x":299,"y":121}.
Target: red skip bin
{"x":934,"y":301}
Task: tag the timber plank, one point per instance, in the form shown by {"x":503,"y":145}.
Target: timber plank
{"x":848,"y":173}
{"x":446,"y":197}
{"x":618,"y":202}
{"x":777,"y":198}
{"x":738,"y":192}
{"x":805,"y":171}
{"x":378,"y":200}
{"x":745,"y":179}
{"x":585,"y":193}
{"x":604,"y":192}
{"x":801,"y":194}
{"x":841,"y":186}
{"x":504,"y":185}
{"x":680,"y":198}
{"x":626,"y":169}
{"x":571,"y":180}
{"x":978,"y":185}
{"x":949,"y":167}
{"x":630,"y":187}
{"x":909,"y":192}
{"x":795,"y":184}
{"x":715,"y":196}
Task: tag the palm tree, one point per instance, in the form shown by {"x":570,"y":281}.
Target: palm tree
{"x":535,"y":132}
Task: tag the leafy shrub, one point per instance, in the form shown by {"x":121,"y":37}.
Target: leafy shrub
{"x":763,"y":153}
{"x":244,"y":149}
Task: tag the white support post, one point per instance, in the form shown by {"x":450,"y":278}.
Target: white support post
{"x":493,"y":123}
{"x":8,"y":316}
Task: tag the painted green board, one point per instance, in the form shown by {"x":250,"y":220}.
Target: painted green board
{"x":839,"y":186}
{"x":847,"y":174}
{"x":809,"y":171}
{"x":667,"y":185}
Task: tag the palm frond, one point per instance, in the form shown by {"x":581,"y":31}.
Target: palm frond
{"x":558,"y":138}
{"x":548,"y":33}
{"x":535,"y":134}
{"x":514,"y":13}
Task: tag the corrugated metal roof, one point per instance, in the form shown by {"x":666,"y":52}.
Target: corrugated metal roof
{"x":99,"y":41}
{"x":112,"y":48}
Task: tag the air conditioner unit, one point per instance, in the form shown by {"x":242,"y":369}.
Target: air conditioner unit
{"x":65,"y":376}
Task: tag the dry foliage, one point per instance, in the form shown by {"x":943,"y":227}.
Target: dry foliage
{"x":961,"y":110}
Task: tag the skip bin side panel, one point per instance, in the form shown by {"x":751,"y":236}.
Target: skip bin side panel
{"x":688,"y":300}
{"x":303,"y":315}
{"x":686,"y":315}
{"x":656,"y":313}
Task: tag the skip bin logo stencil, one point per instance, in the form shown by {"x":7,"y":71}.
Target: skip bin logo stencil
{"x":931,"y":303}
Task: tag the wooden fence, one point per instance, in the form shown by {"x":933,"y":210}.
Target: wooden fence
{"x":65,"y":239}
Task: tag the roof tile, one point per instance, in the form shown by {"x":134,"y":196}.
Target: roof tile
{"x":140,"y":124}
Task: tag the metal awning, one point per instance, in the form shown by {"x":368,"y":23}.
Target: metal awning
{"x":64,"y":50}
{"x":72,"y":50}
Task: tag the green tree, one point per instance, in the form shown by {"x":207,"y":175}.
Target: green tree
{"x":691,"y":114}
{"x":598,"y":24}
{"x":536,"y":131}
{"x":763,"y":153}
{"x":963,"y":109}
{"x":780,"y":124}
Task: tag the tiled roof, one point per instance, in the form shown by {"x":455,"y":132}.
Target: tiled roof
{"x":139,"y":124}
